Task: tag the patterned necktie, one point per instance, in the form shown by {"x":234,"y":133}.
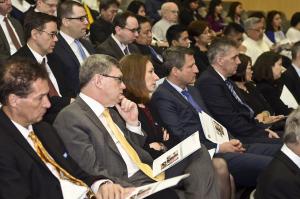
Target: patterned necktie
{"x":126,"y":51}
{"x":12,"y":34}
{"x":81,"y":51}
{"x":129,"y":149}
{"x":235,"y":95}
{"x":191,"y":100}
{"x":155,"y":54}
{"x":52,"y":90}
{"x":63,"y":174}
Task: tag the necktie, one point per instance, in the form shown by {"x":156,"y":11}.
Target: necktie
{"x":155,"y":54}
{"x":129,"y":149}
{"x":52,"y":90}
{"x":12,"y":34}
{"x":44,"y":155}
{"x":235,"y":95}
{"x":191,"y":100}
{"x":81,"y":51}
{"x":126,"y":51}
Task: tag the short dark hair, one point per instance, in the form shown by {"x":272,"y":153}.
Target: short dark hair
{"x":295,"y":49}
{"x":65,"y":9}
{"x":212,"y":6}
{"x":196,"y":28}
{"x":174,"y":33}
{"x":105,"y":4}
{"x":262,"y":69}
{"x":142,"y":20}
{"x":175,"y":57}
{"x":121,"y":19}
{"x":134,"y":6}
{"x":295,"y":19}
{"x":269,"y":19}
{"x":17,"y":76}
{"x":233,"y":28}
{"x":240,"y":75}
{"x":36,"y":20}
{"x":232,"y":8}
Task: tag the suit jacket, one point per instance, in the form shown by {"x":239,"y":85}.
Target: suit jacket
{"x":281,"y":179}
{"x":23,"y":173}
{"x":4,"y":46}
{"x":70,"y":63}
{"x":100,"y":31}
{"x":225,"y":108}
{"x":57,"y":103}
{"x":110,"y":47}
{"x":291,"y":79}
{"x":91,"y":146}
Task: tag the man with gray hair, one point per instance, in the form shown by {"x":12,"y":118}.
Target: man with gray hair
{"x":281,"y":178}
{"x":254,"y":42}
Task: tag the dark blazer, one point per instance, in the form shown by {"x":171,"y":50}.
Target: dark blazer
{"x":281,"y":179}
{"x":225,"y":108}
{"x":110,"y":47}
{"x":292,"y":81}
{"x":57,"y":103}
{"x":70,"y":63}
{"x":100,"y":31}
{"x":23,"y":173}
{"x":4,"y":46}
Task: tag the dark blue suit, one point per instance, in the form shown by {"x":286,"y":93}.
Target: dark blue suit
{"x":181,"y":119}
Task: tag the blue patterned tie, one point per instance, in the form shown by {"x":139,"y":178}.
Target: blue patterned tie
{"x":155,"y":54}
{"x":191,"y":100}
{"x":235,"y":95}
{"x":81,"y":51}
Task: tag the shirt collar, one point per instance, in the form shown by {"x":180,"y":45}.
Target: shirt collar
{"x":68,"y":38}
{"x":175,"y":86}
{"x":297,"y":69}
{"x":24,"y":131}
{"x":2,"y":17}
{"x":93,"y":104}
{"x":222,"y":76}
{"x":292,"y":156}
{"x":37,"y":56}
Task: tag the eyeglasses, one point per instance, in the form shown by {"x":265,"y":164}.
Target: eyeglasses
{"x":134,"y":30}
{"x":119,"y":79}
{"x":81,"y":18}
{"x":51,"y":34}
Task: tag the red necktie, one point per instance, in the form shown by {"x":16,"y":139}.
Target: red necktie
{"x":52,"y":90}
{"x":12,"y":34}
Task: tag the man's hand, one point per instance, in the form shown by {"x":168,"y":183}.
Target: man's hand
{"x":112,"y":191}
{"x":272,"y":134}
{"x":233,"y":145}
{"x":129,"y":112}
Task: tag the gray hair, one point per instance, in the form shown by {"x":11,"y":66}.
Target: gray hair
{"x":96,"y":64}
{"x":250,"y":22}
{"x":219,"y":48}
{"x":292,"y":128}
{"x":295,"y":50}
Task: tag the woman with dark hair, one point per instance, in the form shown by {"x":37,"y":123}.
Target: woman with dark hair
{"x":235,"y":12}
{"x":273,"y":27}
{"x":293,"y":33}
{"x":137,"y":7}
{"x":189,"y":12}
{"x":266,"y":73}
{"x":214,"y":17}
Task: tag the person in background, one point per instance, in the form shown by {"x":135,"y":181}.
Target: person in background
{"x":273,"y":27}
{"x":214,"y":16}
{"x":293,"y":33}
{"x":235,"y":32}
{"x":189,"y":12}
{"x":177,"y":35}
{"x":235,"y":13}
{"x":137,"y":7}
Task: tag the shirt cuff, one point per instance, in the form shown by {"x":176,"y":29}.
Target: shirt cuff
{"x":135,"y":129}
{"x":96,"y":185}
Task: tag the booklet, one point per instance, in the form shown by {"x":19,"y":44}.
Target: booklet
{"x":287,"y":98}
{"x":213,"y":130}
{"x":176,"y":154}
{"x":147,"y":190}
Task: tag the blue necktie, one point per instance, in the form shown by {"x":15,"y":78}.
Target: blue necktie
{"x":235,"y":95}
{"x":191,"y":100}
{"x":155,"y":54}
{"x":81,"y":51}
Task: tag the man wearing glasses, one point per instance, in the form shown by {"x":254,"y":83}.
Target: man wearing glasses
{"x":120,"y":43}
{"x":45,"y":6}
{"x":41,"y":36}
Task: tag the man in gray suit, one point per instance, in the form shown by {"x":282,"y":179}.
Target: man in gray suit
{"x":92,"y":141}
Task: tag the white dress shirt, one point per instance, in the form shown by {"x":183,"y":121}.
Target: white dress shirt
{"x":297,"y":69}
{"x":291,"y":155}
{"x":255,"y":48}
{"x":121,"y":46}
{"x":98,"y":110}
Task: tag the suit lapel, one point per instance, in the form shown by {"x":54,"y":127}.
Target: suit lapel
{"x":116,"y":48}
{"x":17,"y":29}
{"x":3,"y":38}
{"x":62,"y":42}
{"x":289,"y":163}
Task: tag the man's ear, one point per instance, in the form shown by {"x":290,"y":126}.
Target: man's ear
{"x":118,"y":29}
{"x":174,"y":43}
{"x":12,"y":100}
{"x":97,"y":80}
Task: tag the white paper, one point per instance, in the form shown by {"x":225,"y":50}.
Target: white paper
{"x":146,"y":190}
{"x":213,"y":130}
{"x":287,"y":98}
{"x":176,"y":154}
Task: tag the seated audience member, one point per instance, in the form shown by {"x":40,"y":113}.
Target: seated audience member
{"x":11,"y":31}
{"x":291,"y":77}
{"x":293,"y":33}
{"x":222,"y":99}
{"x":201,"y":36}
{"x":71,"y":48}
{"x":120,"y":43}
{"x":235,"y":13}
{"x":177,"y":35}
{"x":252,"y":96}
{"x":177,"y":105}
{"x":34,"y":162}
{"x":235,"y":32}
{"x":137,"y":7}
{"x":189,"y":12}
{"x":266,"y":74}
{"x":102,"y":27}
{"x":273,"y":27}
{"x":281,"y":177}
{"x":19,"y":8}
{"x":169,"y":17}
{"x":45,"y":6}
{"x":153,"y":9}
{"x":214,"y":16}
{"x":98,"y":139}
{"x":254,"y":43}
{"x":143,"y":43}
{"x":41,"y":36}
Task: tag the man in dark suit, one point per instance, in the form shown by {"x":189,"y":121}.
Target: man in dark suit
{"x":291,"y":77}
{"x":71,"y":49}
{"x":34,"y":162}
{"x":120,"y":43}
{"x":45,"y":6}
{"x":223,"y":100}
{"x":11,"y":32}
{"x":177,"y":106}
{"x":41,"y":30}
{"x":281,"y":179}
{"x":92,"y":136}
